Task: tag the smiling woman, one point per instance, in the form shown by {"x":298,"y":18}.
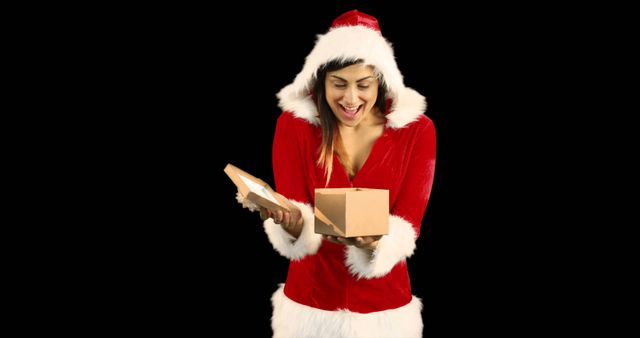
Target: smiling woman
{"x":351,"y":102}
{"x":348,"y":120}
{"x":350,"y":88}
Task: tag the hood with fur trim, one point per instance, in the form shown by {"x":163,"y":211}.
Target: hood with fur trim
{"x":350,"y":42}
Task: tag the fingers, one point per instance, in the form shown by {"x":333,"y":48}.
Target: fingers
{"x":264,"y":214}
{"x":367,"y":242}
{"x":346,"y":241}
{"x":364,"y":242}
{"x":285,"y":219}
{"x":279,"y":217}
{"x":368,"y":239}
{"x":332,"y":239}
{"x":339,"y":239}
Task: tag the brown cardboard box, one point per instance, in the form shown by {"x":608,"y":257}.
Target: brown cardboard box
{"x":256,"y":190}
{"x":351,"y":212}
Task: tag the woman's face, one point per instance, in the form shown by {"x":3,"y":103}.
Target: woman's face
{"x":351,"y":92}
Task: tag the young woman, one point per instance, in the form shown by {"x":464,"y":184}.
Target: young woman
{"x":349,"y":121}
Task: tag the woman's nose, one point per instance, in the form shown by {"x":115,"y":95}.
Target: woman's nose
{"x":351,"y":96}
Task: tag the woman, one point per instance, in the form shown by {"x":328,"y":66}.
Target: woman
{"x":349,"y":121}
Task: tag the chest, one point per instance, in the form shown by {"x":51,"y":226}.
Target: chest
{"x":381,"y":159}
{"x":358,"y":145}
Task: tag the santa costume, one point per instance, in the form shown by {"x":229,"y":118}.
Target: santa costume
{"x":334,"y":290}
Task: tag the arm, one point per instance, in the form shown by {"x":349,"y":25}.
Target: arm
{"x":406,"y":214}
{"x":295,"y":238}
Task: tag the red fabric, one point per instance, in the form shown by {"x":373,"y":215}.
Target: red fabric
{"x":355,"y":18}
{"x":402,"y":160}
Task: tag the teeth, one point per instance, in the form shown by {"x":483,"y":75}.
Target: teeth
{"x":351,"y":110}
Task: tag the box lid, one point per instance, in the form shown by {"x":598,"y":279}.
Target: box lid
{"x":256,"y":190}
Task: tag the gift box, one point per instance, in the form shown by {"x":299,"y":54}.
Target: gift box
{"x":351,"y":212}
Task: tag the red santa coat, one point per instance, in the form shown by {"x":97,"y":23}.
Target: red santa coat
{"x":327,"y":276}
{"x":332,"y":289}
{"x":402,"y":161}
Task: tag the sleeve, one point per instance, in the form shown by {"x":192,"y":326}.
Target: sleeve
{"x":291,"y":181}
{"x":405,"y":215}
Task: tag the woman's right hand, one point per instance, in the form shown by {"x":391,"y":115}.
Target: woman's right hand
{"x":291,"y":221}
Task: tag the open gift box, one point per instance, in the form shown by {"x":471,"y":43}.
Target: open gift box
{"x":351,"y":212}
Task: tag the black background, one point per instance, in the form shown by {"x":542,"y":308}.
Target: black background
{"x":194,"y":89}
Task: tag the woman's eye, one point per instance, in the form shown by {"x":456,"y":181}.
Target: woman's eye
{"x":363,"y":86}
{"x":340,"y":85}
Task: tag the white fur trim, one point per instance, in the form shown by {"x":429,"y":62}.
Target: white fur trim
{"x":291,"y":319}
{"x":409,"y":106}
{"x":353,"y":42}
{"x":301,"y":105}
{"x":308,"y":242}
{"x":392,"y":249}
{"x":246,"y":203}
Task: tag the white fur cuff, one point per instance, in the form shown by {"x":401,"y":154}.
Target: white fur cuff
{"x":392,"y":249}
{"x":308,"y":242}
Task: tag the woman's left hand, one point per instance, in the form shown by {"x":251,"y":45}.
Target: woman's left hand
{"x":362,"y":242}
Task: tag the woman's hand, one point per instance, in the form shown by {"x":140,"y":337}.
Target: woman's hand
{"x":362,"y":242}
{"x":291,"y":221}
{"x":285,"y":219}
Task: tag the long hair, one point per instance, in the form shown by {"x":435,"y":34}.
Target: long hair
{"x":331,"y":141}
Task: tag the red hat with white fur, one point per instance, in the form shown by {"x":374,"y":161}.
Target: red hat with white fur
{"x":353,"y":35}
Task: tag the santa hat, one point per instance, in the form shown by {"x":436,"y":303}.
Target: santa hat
{"x":353,"y":35}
